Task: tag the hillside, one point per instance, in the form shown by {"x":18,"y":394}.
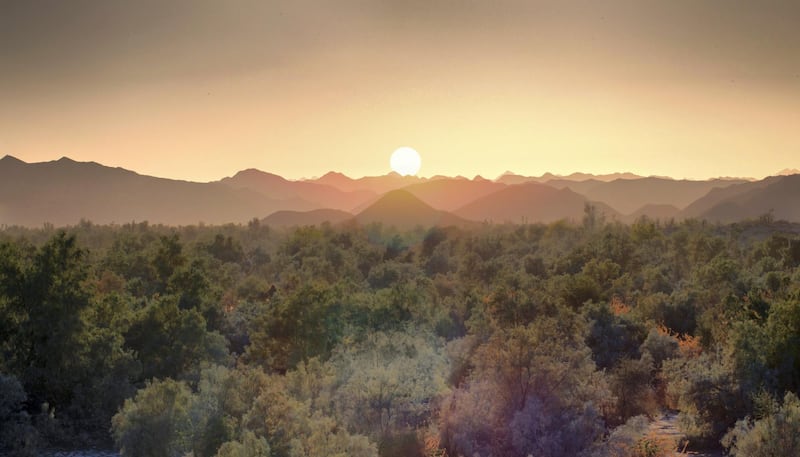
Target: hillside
{"x":450,"y":194}
{"x":628,"y":195}
{"x":530,"y":202}
{"x":375,"y":184}
{"x":401,"y":209}
{"x":287,"y":218}
{"x":277,"y":187}
{"x":702,"y":205}
{"x":63,"y":192}
{"x":778,"y":196}
{"x":652,"y":211}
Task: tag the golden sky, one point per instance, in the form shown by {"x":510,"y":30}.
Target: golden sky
{"x":201,"y":89}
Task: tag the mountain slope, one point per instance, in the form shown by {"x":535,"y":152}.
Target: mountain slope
{"x":449,"y":194}
{"x":402,"y":209}
{"x":530,"y":202}
{"x":277,"y":187}
{"x":653,"y":211}
{"x":628,"y":195}
{"x":779,"y":195}
{"x":376,"y":184}
{"x":63,"y":192}
{"x":716,"y":196}
{"x":288,"y":218}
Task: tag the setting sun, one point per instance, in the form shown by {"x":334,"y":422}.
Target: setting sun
{"x":405,"y":161}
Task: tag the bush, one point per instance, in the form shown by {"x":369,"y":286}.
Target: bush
{"x":632,"y":384}
{"x":708,"y":394}
{"x":776,"y":434}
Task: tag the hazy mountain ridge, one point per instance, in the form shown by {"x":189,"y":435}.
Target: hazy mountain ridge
{"x":64,"y":191}
{"x":450,"y":194}
{"x":321,"y":195}
{"x":510,"y":177}
{"x":778,"y":196}
{"x":289,"y":218}
{"x":375,"y":184}
{"x":628,"y":195}
{"x":531,"y":202}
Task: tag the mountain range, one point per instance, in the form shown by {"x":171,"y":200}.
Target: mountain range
{"x":63,"y":192}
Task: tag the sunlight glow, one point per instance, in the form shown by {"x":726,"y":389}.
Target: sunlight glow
{"x":405,"y":161}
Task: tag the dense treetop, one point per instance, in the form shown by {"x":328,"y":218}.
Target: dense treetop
{"x":514,"y":340}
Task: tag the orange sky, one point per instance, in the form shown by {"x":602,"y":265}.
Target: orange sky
{"x":200,"y":89}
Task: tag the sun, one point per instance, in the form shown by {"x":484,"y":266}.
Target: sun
{"x":405,"y":161}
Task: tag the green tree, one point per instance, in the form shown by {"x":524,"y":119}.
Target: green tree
{"x":52,"y":294}
{"x":173,"y":342}
{"x":156,"y":422}
{"x":305,"y":324}
{"x":17,"y":436}
{"x":389,"y":383}
{"x":248,"y":446}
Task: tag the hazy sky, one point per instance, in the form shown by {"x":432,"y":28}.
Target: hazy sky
{"x":200,"y":89}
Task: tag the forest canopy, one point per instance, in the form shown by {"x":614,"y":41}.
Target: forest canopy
{"x":548,"y":340}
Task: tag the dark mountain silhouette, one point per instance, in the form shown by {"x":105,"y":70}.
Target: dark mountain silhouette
{"x":450,"y":194}
{"x":653,"y":211}
{"x":530,"y":202}
{"x":277,"y":187}
{"x":628,"y":195}
{"x":63,"y":192}
{"x":376,"y":184}
{"x":777,"y":195}
{"x":401,"y":209}
{"x":287,"y":218}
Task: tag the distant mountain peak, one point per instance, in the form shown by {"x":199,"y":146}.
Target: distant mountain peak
{"x":400,"y":208}
{"x":255,"y":172}
{"x":402,"y":196}
{"x":334,"y":174}
{"x":788,"y":172}
{"x":8,"y":158}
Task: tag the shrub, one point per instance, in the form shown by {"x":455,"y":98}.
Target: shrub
{"x":776,"y":434}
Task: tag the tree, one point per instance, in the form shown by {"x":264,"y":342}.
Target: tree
{"x":156,"y":422}
{"x":305,"y":324}
{"x":292,"y":429}
{"x":248,"y":446}
{"x":17,"y":437}
{"x":52,"y":296}
{"x":389,"y":383}
{"x":530,"y":385}
{"x":173,"y":342}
